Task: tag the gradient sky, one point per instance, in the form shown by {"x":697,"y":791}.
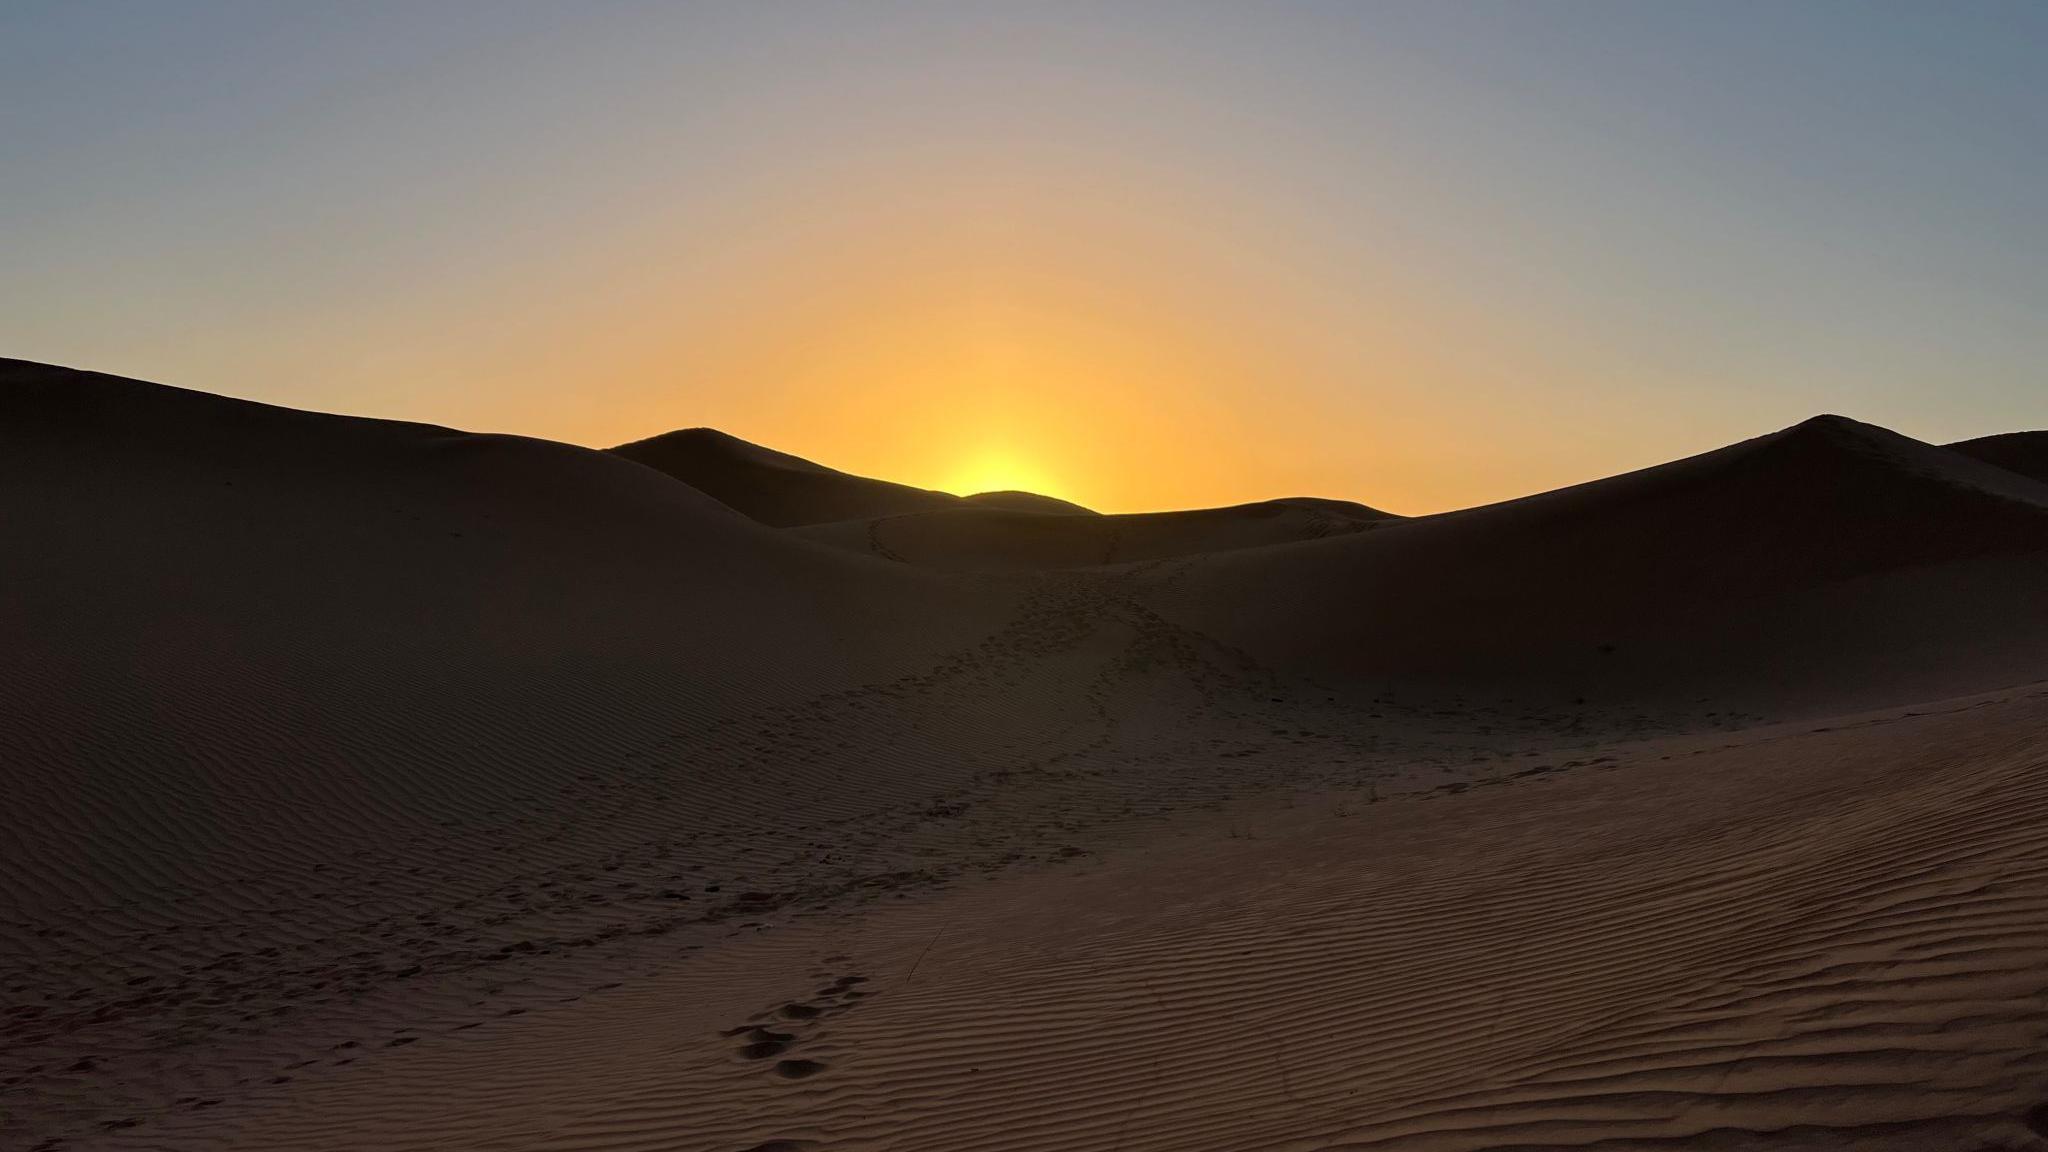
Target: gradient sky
{"x":1137,"y":255}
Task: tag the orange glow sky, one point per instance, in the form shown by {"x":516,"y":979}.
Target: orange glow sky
{"x":1418,"y":256}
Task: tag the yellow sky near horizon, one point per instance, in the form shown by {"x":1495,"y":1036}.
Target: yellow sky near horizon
{"x":1138,"y":349}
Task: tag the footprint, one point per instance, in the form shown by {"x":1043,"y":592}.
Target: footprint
{"x":763,"y":1043}
{"x":798,"y":1069}
{"x":801,"y":1011}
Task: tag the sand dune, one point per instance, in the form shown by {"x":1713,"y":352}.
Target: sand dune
{"x":1831,"y":564}
{"x":996,"y":540}
{"x":377,"y":785}
{"x":2023,"y":453}
{"x":283,"y":684}
{"x":784,"y":491}
{"x":1027,"y":502}
{"x":988,"y":531}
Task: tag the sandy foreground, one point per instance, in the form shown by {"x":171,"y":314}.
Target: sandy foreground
{"x":378,"y":786}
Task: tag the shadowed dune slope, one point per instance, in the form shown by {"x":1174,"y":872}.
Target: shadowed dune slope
{"x":995,"y":540}
{"x":240,"y":635}
{"x":1830,"y":563}
{"x":2024,"y":453}
{"x":784,"y":491}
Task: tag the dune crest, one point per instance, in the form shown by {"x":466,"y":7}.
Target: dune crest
{"x":1027,"y":502}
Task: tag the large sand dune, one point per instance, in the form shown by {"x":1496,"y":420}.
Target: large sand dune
{"x":375,"y":785}
{"x":1832,"y":564}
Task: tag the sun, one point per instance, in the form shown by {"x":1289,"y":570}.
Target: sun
{"x":1000,"y":470}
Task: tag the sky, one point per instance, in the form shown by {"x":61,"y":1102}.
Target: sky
{"x":1136,"y":255}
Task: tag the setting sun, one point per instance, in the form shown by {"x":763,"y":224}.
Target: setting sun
{"x":1002,"y":470}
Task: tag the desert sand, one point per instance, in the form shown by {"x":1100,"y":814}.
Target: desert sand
{"x":374,"y":785}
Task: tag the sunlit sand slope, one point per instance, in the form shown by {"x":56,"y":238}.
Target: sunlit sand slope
{"x":1824,"y":937}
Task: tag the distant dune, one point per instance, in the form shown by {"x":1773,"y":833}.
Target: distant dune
{"x":375,"y":785}
{"x":988,"y":531}
{"x":2025,"y":453}
{"x":1027,"y":502}
{"x":785,"y":491}
{"x":994,"y":540}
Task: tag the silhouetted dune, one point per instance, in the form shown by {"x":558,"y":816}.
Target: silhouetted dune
{"x":2024,"y":453}
{"x":1349,"y":509}
{"x":997,"y":540}
{"x":1831,"y":559}
{"x":773,"y":487}
{"x":1027,"y":502}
